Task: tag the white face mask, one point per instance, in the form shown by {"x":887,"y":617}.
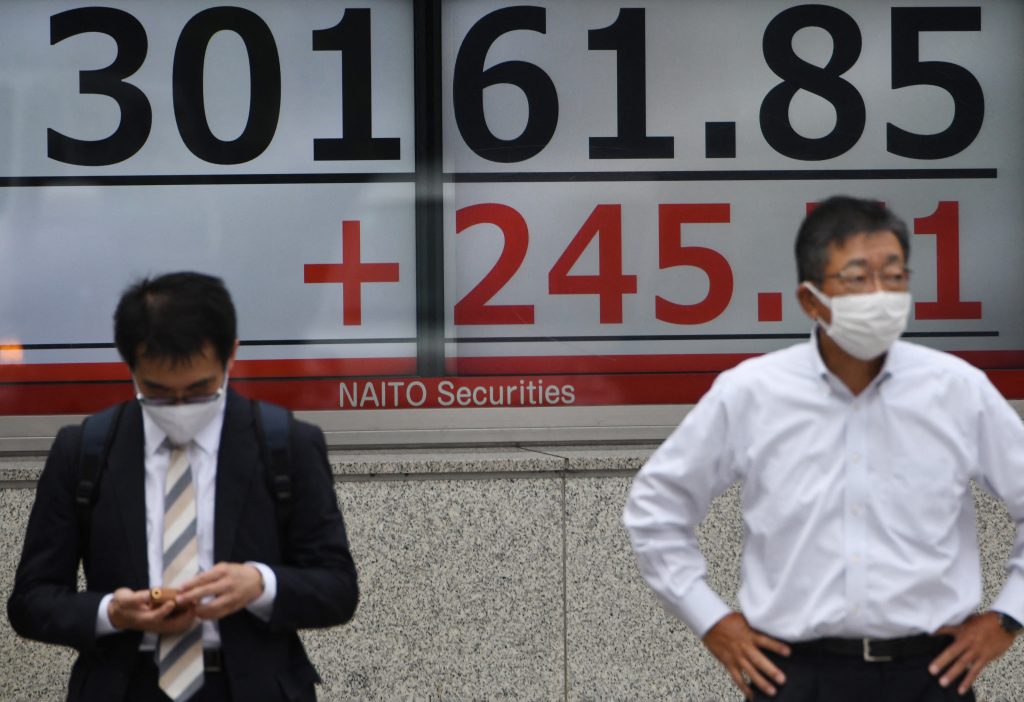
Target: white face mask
{"x":182,"y":422}
{"x":867,"y":324}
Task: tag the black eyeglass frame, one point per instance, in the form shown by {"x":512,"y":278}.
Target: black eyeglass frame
{"x":849,"y":281}
{"x":184,"y":400}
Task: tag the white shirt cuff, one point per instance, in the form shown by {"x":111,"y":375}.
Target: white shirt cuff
{"x":263,"y":606}
{"x":103,"y":625}
{"x":1011,"y":599}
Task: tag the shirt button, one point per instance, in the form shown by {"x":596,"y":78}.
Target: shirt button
{"x":856,"y":510}
{"x":855,"y":458}
{"x":855,"y":558}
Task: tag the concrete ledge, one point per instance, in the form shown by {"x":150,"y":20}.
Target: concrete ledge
{"x":598,"y":427}
{"x":366,"y":463}
{"x":459,"y":460}
{"x":426,"y":427}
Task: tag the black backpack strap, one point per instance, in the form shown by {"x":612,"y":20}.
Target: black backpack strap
{"x":272,"y":428}
{"x":97,"y":433}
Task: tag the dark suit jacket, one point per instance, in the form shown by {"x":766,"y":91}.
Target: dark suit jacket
{"x":316,"y":579}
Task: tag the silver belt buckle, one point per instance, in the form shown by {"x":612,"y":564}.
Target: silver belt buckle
{"x":870,"y":658}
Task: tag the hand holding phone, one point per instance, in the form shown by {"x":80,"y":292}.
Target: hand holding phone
{"x":160,"y":595}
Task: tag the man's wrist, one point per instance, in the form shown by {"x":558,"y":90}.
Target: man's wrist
{"x":1010,"y":625}
{"x":261,"y":585}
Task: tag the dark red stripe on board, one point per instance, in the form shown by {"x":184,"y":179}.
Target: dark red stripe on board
{"x":410,"y":392}
{"x":325,"y":384}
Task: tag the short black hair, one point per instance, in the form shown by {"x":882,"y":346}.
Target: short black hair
{"x":834,"y":221}
{"x":173,"y":316}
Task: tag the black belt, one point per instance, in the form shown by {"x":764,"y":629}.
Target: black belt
{"x":873,"y":650}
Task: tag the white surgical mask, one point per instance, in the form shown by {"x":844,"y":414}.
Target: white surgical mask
{"x":181,"y":422}
{"x":865,"y":325}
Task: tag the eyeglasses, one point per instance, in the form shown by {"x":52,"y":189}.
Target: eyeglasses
{"x":858,"y":279}
{"x":185,"y":400}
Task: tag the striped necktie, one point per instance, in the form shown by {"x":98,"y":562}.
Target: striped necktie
{"x":180,"y":656}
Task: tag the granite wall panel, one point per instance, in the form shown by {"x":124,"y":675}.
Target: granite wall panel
{"x":462,"y":592}
{"x":495,"y":575}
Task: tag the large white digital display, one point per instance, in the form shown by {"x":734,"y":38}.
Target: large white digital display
{"x":622,"y":183}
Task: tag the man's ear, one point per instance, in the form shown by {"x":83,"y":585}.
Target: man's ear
{"x":810,"y":304}
{"x":231,"y":358}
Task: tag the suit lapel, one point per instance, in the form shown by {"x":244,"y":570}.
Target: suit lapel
{"x":238,"y":462}
{"x":126,"y":470}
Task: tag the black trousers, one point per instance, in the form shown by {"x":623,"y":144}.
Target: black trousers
{"x":144,"y":684}
{"x":831,"y":678}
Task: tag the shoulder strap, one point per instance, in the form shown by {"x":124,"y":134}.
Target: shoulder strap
{"x":272,"y":428}
{"x":97,"y":434}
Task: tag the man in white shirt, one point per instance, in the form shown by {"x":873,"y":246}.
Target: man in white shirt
{"x":860,"y":571}
{"x":184,"y":501}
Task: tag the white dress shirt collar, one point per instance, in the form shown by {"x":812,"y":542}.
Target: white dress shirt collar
{"x":889,"y":364}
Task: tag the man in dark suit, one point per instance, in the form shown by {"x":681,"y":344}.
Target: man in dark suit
{"x":184,"y":504}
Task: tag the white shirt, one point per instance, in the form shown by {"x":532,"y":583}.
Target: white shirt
{"x":202,"y":454}
{"x":858,"y":518}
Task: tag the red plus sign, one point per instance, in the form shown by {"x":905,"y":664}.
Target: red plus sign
{"x":351,"y":273}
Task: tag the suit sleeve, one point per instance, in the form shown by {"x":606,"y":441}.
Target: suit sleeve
{"x":317,"y":583}
{"x":45,"y":603}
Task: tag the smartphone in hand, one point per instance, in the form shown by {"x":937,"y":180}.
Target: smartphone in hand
{"x":160,"y":595}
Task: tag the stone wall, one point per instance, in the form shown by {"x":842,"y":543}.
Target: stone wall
{"x":494,"y":574}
